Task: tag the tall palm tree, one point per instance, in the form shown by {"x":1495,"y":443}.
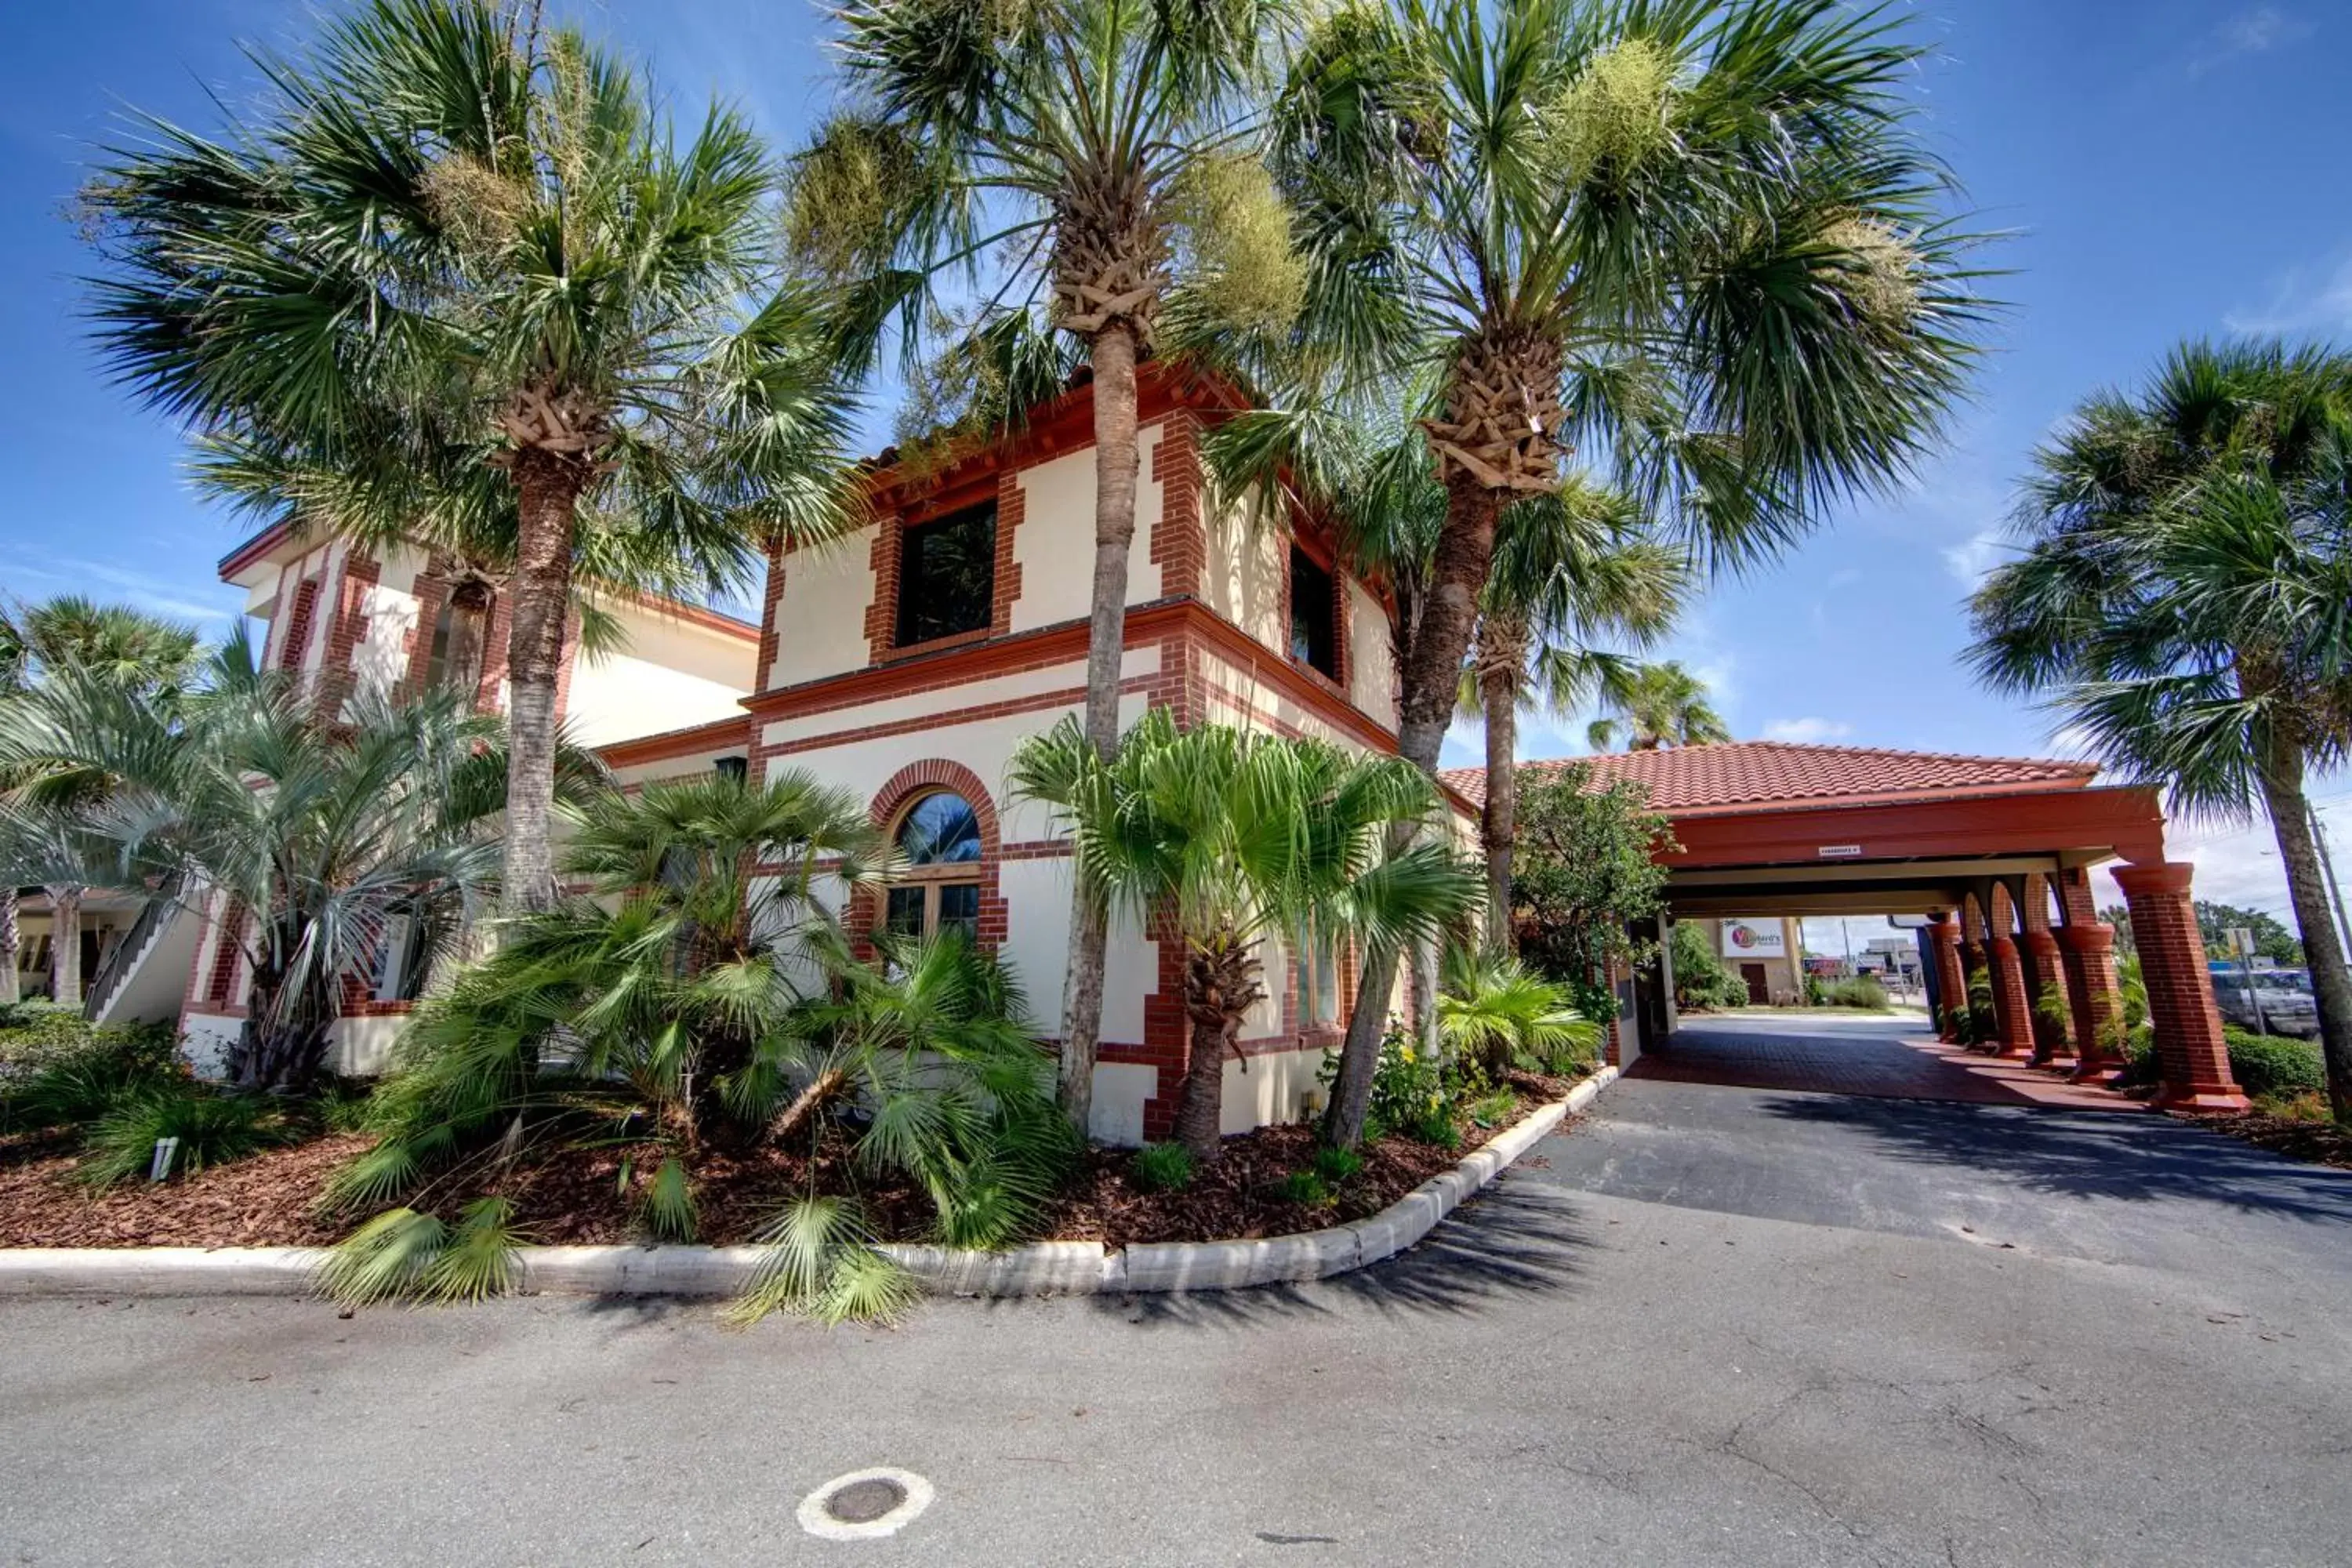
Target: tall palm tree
{"x":1661,"y":705}
{"x":1234,"y":837}
{"x":1083,"y":147}
{"x":349,"y":842}
{"x":1573,"y":570}
{"x":117,"y":646}
{"x":450,"y":249}
{"x":2181,"y":599}
{"x":1702,"y":240}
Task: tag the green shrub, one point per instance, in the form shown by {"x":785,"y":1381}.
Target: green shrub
{"x":1862,"y":990}
{"x":1436,"y":1127}
{"x":57,"y":1070}
{"x":1495,"y":1109}
{"x":2267,"y":1064}
{"x":1407,"y":1085}
{"x":1304,"y":1188}
{"x":213,"y":1130}
{"x":1164,"y":1167}
{"x":1338,"y":1165}
{"x":1816,"y":993}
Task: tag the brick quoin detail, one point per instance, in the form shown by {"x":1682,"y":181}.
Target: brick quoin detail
{"x":769,"y":634}
{"x":432,"y":593}
{"x":1179,"y":540}
{"x":298,"y":626}
{"x":2196,"y":1062}
{"x":928,"y":777}
{"x":337,"y":676}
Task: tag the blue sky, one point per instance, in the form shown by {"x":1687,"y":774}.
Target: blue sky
{"x":2168,"y":167}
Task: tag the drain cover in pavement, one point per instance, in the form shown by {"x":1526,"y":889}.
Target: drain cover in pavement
{"x":864,"y":1504}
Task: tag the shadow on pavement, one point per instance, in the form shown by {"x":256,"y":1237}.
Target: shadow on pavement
{"x":2087,"y":1153}
{"x":1513,"y":1240}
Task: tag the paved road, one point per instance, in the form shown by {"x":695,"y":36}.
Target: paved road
{"x":1711,"y":1325}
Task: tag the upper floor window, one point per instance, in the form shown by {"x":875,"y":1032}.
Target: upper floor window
{"x":939,"y":836}
{"x":947,"y":575}
{"x":1314,"y":614}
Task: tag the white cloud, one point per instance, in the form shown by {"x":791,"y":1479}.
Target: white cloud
{"x":2303,"y":299}
{"x":1970,"y":561}
{"x":2256,"y":30}
{"x":1808,"y":730}
{"x":172,"y":597}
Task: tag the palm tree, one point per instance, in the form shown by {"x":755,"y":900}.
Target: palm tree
{"x":1086,"y":148}
{"x":452,"y":250}
{"x":2180,"y":601}
{"x":1502,"y":1015}
{"x":1700,"y":240}
{"x":1572,"y":569}
{"x":702,"y":999}
{"x":120,"y":646}
{"x":1233,"y":838}
{"x":324,"y":849}
{"x":1661,"y":705}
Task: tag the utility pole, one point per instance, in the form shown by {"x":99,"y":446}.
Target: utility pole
{"x":2328,"y":864}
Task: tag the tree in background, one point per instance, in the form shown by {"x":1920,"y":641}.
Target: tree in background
{"x":1588,"y":867}
{"x":145,"y":657}
{"x":2119,"y":917}
{"x":454,"y":247}
{"x":1702,"y":241}
{"x":2271,"y":939}
{"x":1079,"y":148}
{"x":2179,"y":600}
{"x":1700,"y":978}
{"x":1660,"y":706}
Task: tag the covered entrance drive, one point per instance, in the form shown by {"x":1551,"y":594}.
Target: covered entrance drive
{"x":1828,"y":1051}
{"x":1997,"y":853}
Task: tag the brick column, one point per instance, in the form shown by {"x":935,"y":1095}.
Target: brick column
{"x":1972,"y":963}
{"x":2011,"y":1006}
{"x":2189,"y":1044}
{"x":2088,"y":954}
{"x":2052,"y":1040}
{"x":1951,"y":985}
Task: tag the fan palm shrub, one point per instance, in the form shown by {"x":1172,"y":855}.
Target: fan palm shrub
{"x":1096,"y":153}
{"x":1496,"y":1015}
{"x":701,"y":997}
{"x":1231,"y":837}
{"x":2179,"y":601}
{"x":311,"y":842}
{"x":465,"y":272}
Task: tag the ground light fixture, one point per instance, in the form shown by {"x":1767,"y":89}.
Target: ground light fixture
{"x":864,"y":1505}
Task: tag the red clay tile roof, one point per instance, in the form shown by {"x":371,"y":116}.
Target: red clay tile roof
{"x":1748,"y":774}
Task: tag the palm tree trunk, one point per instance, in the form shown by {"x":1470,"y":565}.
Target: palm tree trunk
{"x":12,"y":943}
{"x":2282,"y":774}
{"x":1113,"y":357}
{"x":1219,"y":988}
{"x":65,"y":945}
{"x":1501,"y":656}
{"x":1433,"y":685}
{"x":548,"y":486}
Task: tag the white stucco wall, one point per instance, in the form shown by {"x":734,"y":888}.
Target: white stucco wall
{"x":820,"y":610}
{"x":1372,"y":657}
{"x":1055,"y":544}
{"x":1244,"y":577}
{"x":381,"y":660}
{"x":670,"y":673}
{"x":1244,"y":696}
{"x":1261,"y":1091}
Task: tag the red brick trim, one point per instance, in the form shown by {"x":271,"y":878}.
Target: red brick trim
{"x":908,"y":784}
{"x":297,"y":645}
{"x":718,"y":736}
{"x":1180,"y":540}
{"x":338,"y":678}
{"x":432,"y":593}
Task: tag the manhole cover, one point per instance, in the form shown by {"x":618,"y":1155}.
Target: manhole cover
{"x":864,"y":1504}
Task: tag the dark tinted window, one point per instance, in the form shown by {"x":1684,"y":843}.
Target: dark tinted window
{"x":947,"y":575}
{"x":941,"y":830}
{"x":1314,"y":614}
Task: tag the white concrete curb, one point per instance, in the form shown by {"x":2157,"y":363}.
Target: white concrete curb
{"x":1043,"y":1268}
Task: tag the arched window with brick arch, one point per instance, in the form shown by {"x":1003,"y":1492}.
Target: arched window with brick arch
{"x":943,"y":823}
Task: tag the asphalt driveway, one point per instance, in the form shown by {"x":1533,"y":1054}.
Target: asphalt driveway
{"x":1706,"y":1325}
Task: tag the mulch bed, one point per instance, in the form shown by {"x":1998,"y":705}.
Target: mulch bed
{"x":2319,"y":1143}
{"x":271,"y":1198}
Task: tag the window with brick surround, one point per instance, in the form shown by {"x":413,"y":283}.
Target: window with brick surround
{"x":939,"y":835}
{"x":947,"y":575}
{"x":1314,"y":614}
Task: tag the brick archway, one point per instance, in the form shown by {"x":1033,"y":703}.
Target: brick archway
{"x":933,"y":775}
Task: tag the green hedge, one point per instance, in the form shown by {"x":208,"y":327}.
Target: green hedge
{"x":2263,"y":1064}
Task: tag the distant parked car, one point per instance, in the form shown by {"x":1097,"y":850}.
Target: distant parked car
{"x":2278,"y":1001}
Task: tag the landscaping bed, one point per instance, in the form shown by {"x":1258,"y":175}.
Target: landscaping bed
{"x":271,"y":1198}
{"x":2312,"y":1138}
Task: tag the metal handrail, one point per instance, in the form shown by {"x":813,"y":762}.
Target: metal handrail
{"x":115,"y":966}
